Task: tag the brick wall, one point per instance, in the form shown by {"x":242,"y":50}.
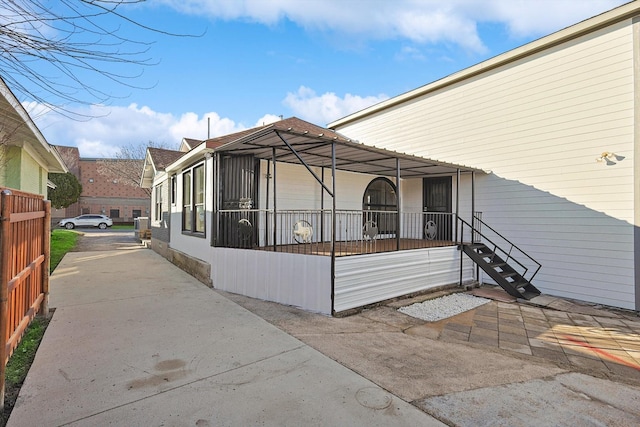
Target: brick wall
{"x":95,"y":184}
{"x":108,"y":195}
{"x":103,"y":194}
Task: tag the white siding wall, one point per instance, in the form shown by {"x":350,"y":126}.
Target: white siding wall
{"x":538,"y":124}
{"x":367,"y":279}
{"x":302,"y":281}
{"x":298,"y":189}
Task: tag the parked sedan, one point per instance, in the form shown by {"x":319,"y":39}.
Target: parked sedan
{"x":100,"y":221}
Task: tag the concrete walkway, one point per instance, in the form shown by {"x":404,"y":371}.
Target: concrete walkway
{"x":135,"y":341}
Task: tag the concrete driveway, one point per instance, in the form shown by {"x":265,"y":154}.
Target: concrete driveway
{"x":135,"y":341}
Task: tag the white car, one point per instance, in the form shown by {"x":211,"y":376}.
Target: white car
{"x":100,"y":221}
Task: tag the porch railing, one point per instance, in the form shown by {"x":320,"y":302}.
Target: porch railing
{"x":518,"y":259}
{"x":310,"y":231}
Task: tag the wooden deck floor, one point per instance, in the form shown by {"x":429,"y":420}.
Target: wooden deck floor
{"x":357,"y":247}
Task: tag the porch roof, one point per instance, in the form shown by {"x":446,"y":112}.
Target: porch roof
{"x":313,"y":145}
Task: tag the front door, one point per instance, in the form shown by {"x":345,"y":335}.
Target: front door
{"x":436,"y":206}
{"x":239,"y":188}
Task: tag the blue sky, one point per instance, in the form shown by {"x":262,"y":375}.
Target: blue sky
{"x":318,"y":60}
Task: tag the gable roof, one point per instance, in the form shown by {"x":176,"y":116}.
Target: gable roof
{"x":188,"y":144}
{"x":156,"y":160}
{"x":71,"y":158}
{"x":161,"y":157}
{"x":17,"y":126}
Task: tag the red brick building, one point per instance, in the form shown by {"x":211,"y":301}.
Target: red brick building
{"x":104,"y":190}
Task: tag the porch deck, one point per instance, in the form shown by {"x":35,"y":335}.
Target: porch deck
{"x":358,"y":247}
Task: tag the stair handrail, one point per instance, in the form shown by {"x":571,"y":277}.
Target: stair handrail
{"x":475,"y":231}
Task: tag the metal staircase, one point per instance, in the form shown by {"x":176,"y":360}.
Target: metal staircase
{"x":500,"y":262}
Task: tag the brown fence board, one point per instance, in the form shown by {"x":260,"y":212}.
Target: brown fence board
{"x":24,"y":267}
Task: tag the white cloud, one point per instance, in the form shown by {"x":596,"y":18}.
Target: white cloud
{"x":325,"y":108}
{"x":267,"y":119}
{"x":117,"y":126}
{"x":408,"y":52}
{"x":424,"y":21}
{"x":113,"y":127}
{"x":527,"y":18}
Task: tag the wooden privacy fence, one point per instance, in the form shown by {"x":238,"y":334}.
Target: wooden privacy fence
{"x":24,"y":267}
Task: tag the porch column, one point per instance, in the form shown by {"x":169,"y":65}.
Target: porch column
{"x":457,"y":202}
{"x":398,"y":201}
{"x":215,"y":220}
{"x":322,"y":208}
{"x":266,"y":205}
{"x":333,"y":225}
{"x":275,"y":198}
{"x":473,"y":206}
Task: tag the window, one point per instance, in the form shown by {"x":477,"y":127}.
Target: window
{"x":174,"y":189}
{"x":187,"y":217}
{"x":193,"y":208}
{"x":114,"y":213}
{"x":380,"y":205}
{"x":85,"y":211}
{"x":136,"y":213}
{"x":158,"y":204}
{"x":198,"y":196}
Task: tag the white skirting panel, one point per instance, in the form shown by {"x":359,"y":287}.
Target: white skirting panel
{"x":367,"y":279}
{"x":302,"y":281}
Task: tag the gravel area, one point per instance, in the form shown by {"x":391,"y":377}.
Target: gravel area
{"x":443,"y":307}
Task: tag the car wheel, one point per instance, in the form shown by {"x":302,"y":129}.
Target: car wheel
{"x":69,"y":226}
{"x":102,"y":226}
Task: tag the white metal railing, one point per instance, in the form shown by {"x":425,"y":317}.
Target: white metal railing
{"x":310,"y":231}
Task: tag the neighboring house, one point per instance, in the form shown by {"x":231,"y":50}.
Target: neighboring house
{"x":557,"y":124}
{"x":163,"y":194}
{"x":104,"y":193}
{"x":26,"y":158}
{"x":295,"y":213}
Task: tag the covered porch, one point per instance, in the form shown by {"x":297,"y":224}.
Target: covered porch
{"x":377,"y":239}
{"x":328,"y":227}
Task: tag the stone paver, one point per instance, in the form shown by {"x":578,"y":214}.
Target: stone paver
{"x":592,"y":338}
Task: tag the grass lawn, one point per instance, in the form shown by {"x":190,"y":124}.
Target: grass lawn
{"x":62,"y":241}
{"x":122,"y":227}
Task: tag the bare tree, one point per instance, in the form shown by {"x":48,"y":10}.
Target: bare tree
{"x":52,"y":52}
{"x":126,"y":166}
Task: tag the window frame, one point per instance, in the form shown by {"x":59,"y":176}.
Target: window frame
{"x":158,"y":203}
{"x":194,"y":200}
{"x":174,"y":189}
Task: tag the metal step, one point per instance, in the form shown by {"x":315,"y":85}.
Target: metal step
{"x":519,"y":287}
